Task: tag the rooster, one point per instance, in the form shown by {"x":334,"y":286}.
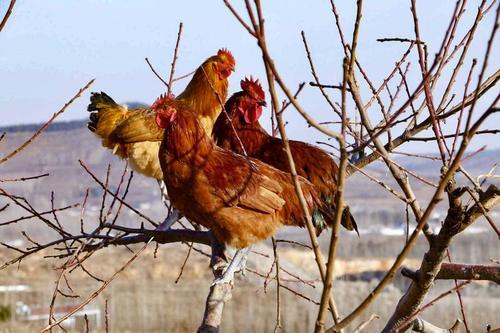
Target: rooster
{"x":240,"y":129}
{"x":133,"y":134}
{"x":240,"y":199}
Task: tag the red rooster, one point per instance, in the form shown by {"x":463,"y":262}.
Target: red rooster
{"x":243,"y":111}
{"x":240,"y":199}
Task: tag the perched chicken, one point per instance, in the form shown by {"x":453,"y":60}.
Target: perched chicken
{"x":240,"y":199}
{"x":240,"y":127}
{"x":134,"y":135}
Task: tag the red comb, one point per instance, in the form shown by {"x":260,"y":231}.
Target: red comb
{"x":162,"y":99}
{"x":227,"y":54}
{"x":252,"y":86}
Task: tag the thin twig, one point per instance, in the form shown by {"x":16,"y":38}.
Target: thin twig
{"x":174,"y":60}
{"x":22,"y":179}
{"x":156,"y":74}
{"x":273,"y":75}
{"x":332,"y":253}
{"x":184,"y":263}
{"x":44,"y":126}
{"x":7,"y":14}
{"x":120,"y":200}
{"x":431,"y":303}
{"x":459,"y":297}
{"x":277,"y":327}
{"x":98,"y":291}
{"x":452,"y":136}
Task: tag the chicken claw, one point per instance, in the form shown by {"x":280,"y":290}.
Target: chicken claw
{"x":173,"y":217}
{"x":237,"y":264}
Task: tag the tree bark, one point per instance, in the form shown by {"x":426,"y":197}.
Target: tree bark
{"x":219,"y":293}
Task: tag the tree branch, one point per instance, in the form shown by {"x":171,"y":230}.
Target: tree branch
{"x":454,"y":271}
{"x":44,"y":126}
{"x":7,"y":14}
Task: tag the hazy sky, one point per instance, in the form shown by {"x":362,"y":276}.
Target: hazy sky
{"x":49,"y":49}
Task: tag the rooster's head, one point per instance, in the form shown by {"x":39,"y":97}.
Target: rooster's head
{"x":252,"y":100}
{"x":164,"y":109}
{"x":223,"y":63}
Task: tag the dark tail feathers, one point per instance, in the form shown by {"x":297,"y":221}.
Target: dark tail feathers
{"x":97,"y":102}
{"x":348,"y":221}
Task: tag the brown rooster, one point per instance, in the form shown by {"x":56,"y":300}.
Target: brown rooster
{"x":240,"y":199}
{"x":243,"y":111}
{"x":134,"y":135}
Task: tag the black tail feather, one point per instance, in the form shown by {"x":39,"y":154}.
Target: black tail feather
{"x":348,"y":221}
{"x":97,"y":100}
{"x":320,"y":223}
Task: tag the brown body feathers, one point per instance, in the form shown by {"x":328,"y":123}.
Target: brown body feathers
{"x":311,"y":162}
{"x":242,"y":200}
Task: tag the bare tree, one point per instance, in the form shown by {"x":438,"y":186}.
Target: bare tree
{"x":406,"y":113}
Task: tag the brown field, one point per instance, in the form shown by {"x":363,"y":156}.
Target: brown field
{"x":145,"y":298}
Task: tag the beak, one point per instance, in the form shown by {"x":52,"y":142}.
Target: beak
{"x":262,"y":103}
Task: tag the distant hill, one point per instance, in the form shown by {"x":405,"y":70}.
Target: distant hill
{"x":59,"y":125}
{"x":54,"y":127}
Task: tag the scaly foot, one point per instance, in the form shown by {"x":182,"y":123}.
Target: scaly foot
{"x":237,"y":264}
{"x":164,"y":193}
{"x":173,"y":217}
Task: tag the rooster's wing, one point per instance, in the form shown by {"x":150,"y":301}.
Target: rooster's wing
{"x":239,"y":181}
{"x":139,"y":126}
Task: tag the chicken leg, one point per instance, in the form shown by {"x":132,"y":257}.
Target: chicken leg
{"x":164,"y":193}
{"x":173,"y":216}
{"x":237,"y":264}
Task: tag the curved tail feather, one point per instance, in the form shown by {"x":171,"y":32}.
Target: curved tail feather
{"x":328,"y":212}
{"x":348,"y":221}
{"x":99,"y":102}
{"x":105,"y":116}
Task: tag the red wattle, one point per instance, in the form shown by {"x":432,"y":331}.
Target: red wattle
{"x":161,"y":120}
{"x":253,"y":114}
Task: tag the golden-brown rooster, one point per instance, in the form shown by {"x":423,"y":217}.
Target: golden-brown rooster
{"x":243,"y":111}
{"x":240,"y":199}
{"x":134,"y":135}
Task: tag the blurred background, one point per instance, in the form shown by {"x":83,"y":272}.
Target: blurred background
{"x":49,"y":49}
